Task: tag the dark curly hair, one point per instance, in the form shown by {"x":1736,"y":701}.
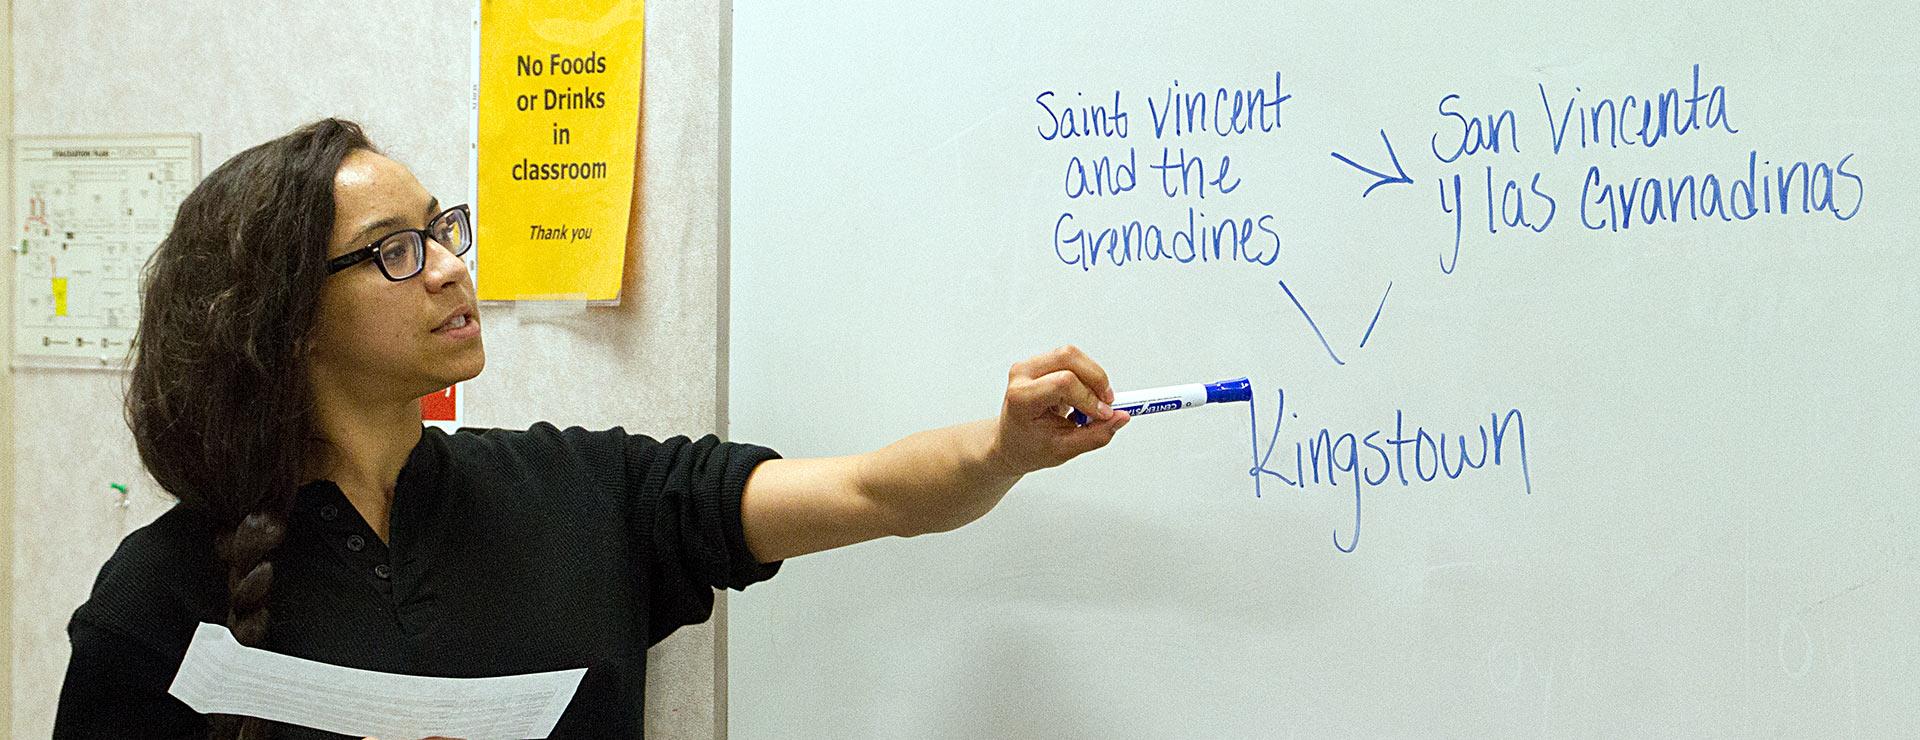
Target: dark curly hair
{"x":219,"y":400}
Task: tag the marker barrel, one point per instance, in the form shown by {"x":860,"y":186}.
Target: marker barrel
{"x":1175,"y":397}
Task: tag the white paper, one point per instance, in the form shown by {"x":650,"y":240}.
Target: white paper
{"x":219,"y":675}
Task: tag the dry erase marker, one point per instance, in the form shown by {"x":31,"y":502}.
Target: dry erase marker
{"x":1176,"y":397}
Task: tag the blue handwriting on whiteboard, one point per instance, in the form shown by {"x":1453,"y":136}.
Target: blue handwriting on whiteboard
{"x":1529,"y":200}
{"x":1325,"y":457}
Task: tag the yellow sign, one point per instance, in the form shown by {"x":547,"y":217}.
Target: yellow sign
{"x":559,"y":117}
{"x":59,"y":296}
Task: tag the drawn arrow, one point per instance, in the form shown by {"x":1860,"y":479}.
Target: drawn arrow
{"x":1398,"y":178}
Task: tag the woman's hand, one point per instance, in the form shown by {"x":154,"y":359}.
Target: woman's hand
{"x":1033,"y":431}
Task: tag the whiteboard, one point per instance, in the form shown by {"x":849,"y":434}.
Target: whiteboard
{"x":1569,"y":418}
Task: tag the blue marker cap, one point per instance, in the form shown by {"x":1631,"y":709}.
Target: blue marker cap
{"x":1238,"y":389}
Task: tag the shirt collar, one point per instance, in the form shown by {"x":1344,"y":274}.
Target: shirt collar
{"x":419,"y":475}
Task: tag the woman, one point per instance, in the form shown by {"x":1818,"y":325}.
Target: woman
{"x":309,"y":293}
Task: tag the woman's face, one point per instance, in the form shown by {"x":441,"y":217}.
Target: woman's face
{"x":378,"y":340}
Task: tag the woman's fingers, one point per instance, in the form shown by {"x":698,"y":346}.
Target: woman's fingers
{"x":1068,"y":358}
{"x":1095,"y":435}
{"x":1062,"y":388}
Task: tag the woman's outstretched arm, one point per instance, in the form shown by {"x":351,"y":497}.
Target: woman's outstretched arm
{"x":935,"y":480}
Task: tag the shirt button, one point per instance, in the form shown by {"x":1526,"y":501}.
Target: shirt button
{"x":383,"y":571}
{"x":329,"y":512}
{"x":356,"y":543}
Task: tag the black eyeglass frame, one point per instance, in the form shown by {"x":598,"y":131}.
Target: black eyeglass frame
{"x":372,"y":250}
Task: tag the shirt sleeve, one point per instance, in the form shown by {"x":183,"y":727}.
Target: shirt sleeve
{"x":685,"y":517}
{"x":116,"y":687}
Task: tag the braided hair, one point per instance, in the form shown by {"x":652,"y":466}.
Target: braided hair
{"x":219,"y":401}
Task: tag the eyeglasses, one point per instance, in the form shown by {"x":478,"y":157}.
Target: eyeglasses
{"x":402,"y":254}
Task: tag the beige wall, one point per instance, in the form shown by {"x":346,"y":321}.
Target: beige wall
{"x":6,"y":364}
{"x":651,"y":364}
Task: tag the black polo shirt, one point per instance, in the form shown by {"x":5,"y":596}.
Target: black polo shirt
{"x":510,"y":552}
